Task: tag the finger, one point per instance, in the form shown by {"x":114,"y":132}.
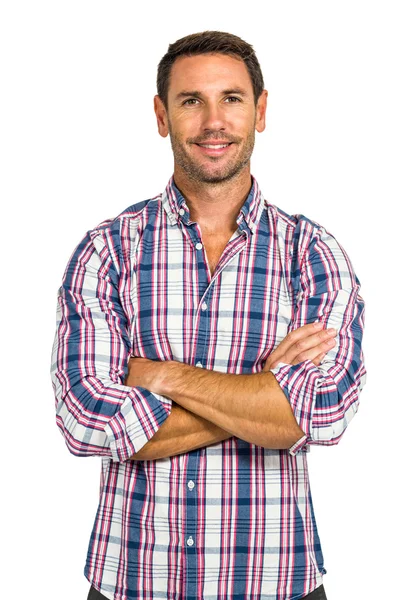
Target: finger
{"x":268,"y":364}
{"x":291,"y":348}
{"x":320,"y":341}
{"x":299,"y":334}
{"x":318,"y":359}
{"x":312,"y":353}
{"x":271,"y":364}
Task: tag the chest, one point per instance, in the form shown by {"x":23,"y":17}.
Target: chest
{"x":221,"y":303}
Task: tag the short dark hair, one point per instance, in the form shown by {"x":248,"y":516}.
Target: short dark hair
{"x":209,"y":42}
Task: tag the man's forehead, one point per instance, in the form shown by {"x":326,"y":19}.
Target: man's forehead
{"x":196,"y":73}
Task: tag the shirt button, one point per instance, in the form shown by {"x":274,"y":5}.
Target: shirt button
{"x":191,"y":485}
{"x":204,"y":306}
{"x":190,"y":541}
{"x":199,"y":364}
{"x":182,"y":212}
{"x":199,"y":246}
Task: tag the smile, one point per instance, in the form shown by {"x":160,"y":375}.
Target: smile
{"x":214,"y":149}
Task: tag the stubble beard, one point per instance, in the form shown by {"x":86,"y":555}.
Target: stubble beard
{"x":208,"y":170}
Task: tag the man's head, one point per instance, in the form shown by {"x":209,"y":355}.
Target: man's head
{"x":210,"y":89}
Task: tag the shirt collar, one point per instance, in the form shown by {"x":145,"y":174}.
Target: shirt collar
{"x":176,"y":208}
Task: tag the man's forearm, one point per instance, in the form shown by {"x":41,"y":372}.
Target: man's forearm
{"x":252,"y":407}
{"x":182,"y":432}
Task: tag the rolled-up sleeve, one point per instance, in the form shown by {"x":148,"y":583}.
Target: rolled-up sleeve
{"x":96,"y":413}
{"x":325,"y":398}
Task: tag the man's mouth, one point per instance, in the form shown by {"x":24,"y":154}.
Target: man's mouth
{"x":214,"y":149}
{"x":214,"y":145}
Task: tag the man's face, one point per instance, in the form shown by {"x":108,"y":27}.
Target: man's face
{"x":211,"y":99}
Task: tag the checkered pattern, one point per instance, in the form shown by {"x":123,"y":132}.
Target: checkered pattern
{"x":231,"y":520}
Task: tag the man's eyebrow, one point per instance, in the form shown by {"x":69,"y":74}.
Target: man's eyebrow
{"x":196,"y":94}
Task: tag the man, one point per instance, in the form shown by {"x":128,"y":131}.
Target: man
{"x":205,"y":341}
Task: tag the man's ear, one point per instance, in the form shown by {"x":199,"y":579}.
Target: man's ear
{"x":161,"y":115}
{"x":260,"y":111}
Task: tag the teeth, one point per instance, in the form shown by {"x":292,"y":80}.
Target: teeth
{"x":213,"y":145}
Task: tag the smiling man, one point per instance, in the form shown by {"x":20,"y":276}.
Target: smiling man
{"x":205,"y":341}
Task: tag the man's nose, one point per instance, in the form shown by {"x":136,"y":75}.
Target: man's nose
{"x":213,"y":117}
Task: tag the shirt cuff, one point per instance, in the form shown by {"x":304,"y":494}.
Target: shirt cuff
{"x":139,"y":418}
{"x":301,"y":444}
{"x":299,"y":384}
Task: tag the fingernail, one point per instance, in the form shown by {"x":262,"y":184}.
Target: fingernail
{"x":331,"y":330}
{"x":317,"y":324}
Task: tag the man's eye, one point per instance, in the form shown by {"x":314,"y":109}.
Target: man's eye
{"x":190,"y":100}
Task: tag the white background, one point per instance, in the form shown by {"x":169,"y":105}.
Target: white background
{"x":79,"y":144}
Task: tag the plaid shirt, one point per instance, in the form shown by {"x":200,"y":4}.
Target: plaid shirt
{"x":233,"y":519}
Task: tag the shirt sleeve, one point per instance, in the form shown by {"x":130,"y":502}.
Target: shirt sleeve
{"x":96,"y":413}
{"x":324,"y":399}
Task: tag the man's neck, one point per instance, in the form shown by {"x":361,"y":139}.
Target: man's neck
{"x":215,"y":206}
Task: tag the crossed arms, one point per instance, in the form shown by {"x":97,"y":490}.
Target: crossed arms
{"x":209,"y":407}
{"x":108,"y":405}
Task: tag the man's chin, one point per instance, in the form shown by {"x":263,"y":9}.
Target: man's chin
{"x":213,"y":175}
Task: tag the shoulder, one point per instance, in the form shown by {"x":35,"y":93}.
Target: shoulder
{"x":307,"y":242}
{"x":131,"y":216}
{"x":115,"y":238}
{"x":130,"y":219}
{"x":298,"y":231}
{"x":292,"y":224}
{"x":314,"y":250}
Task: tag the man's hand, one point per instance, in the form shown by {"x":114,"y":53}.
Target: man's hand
{"x":310,"y":342}
{"x":251,"y":407}
{"x":146,"y":373}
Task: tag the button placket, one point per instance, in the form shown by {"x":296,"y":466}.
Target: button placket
{"x":191,"y":526}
